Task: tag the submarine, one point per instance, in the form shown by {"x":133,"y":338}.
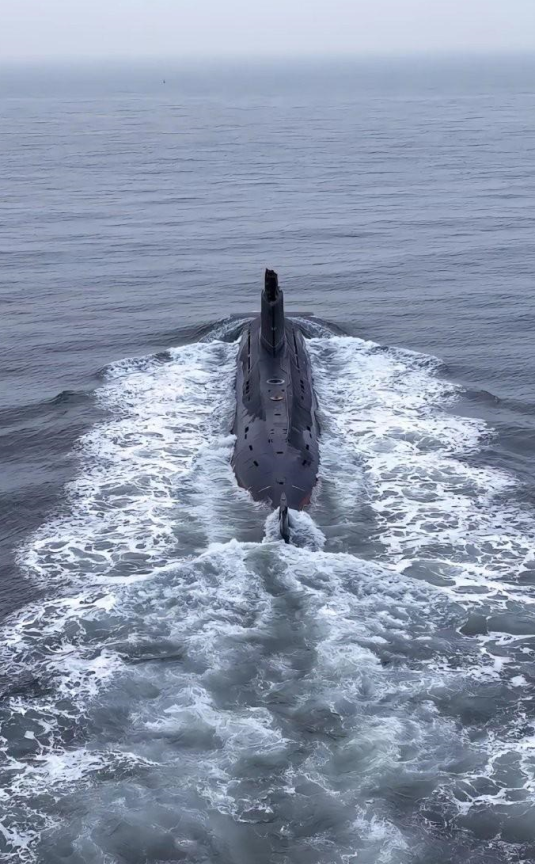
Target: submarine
{"x":276,"y":453}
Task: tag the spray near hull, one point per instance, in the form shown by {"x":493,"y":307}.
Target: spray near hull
{"x":276,"y":454}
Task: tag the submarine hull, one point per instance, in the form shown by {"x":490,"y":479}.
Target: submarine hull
{"x":276,"y":452}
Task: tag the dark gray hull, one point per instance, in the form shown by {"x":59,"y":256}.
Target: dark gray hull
{"x":276,"y":428}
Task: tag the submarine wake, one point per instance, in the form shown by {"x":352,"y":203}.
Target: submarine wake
{"x":188,"y":687}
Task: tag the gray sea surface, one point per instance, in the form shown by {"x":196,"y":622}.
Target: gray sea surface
{"x":176,"y":684}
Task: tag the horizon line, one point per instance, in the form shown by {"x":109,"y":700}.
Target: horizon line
{"x":272,"y":59}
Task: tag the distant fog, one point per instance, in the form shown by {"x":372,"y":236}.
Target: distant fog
{"x":180,"y":29}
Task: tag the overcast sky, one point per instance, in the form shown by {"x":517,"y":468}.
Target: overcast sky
{"x":63,"y":29}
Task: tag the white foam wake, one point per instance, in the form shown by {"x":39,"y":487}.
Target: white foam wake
{"x":390,"y":427}
{"x":260,"y":681}
{"x":121,"y":512}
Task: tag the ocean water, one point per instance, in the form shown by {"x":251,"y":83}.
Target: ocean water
{"x":176,"y":684}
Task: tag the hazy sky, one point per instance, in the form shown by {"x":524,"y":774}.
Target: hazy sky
{"x":61,"y":29}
